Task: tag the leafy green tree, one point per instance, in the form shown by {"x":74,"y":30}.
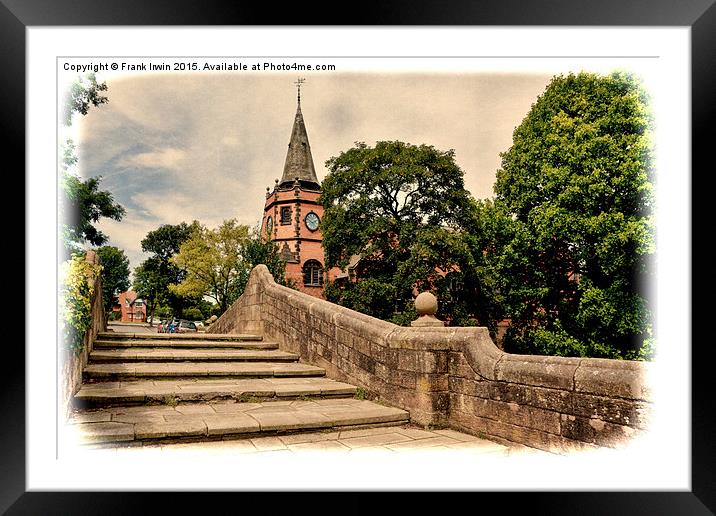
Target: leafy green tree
{"x":575,"y":190}
{"x":206,"y":309}
{"x":83,"y":93}
{"x":214,"y":264}
{"x":165,"y":241}
{"x":218,"y":264}
{"x":193,"y":314}
{"x":153,"y":276}
{"x":148,"y":284}
{"x":256,"y":251}
{"x":82,"y":203}
{"x":115,"y":274}
{"x":404,"y":210}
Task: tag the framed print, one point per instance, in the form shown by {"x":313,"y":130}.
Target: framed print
{"x":197,"y":98}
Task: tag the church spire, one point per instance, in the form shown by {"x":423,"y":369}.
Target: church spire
{"x":299,"y":161}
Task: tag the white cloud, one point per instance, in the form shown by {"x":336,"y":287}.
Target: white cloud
{"x":127,"y":235}
{"x":231,"y":141}
{"x":169,"y":158}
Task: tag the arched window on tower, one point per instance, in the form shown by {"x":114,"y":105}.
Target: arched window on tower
{"x":312,"y":274}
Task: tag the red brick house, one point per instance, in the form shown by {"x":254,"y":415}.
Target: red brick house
{"x":132,"y":308}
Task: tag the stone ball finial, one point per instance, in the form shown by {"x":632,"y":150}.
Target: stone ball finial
{"x":426,"y":304}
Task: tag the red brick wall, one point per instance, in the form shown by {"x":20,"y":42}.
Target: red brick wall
{"x":131,"y":313}
{"x":307,"y":242}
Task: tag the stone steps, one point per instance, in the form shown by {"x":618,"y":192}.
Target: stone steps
{"x":198,"y":390}
{"x":108,"y":335}
{"x":183,"y":343}
{"x":148,"y":388}
{"x":199,"y":369}
{"x":136,"y":354}
{"x":228,"y":420}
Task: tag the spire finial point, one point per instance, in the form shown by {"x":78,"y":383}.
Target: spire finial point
{"x":298,"y":83}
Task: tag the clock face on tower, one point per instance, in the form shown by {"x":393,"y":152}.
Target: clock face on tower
{"x":312,"y":221}
{"x":269,"y":225}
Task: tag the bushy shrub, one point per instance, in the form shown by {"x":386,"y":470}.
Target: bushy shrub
{"x":78,"y":277}
{"x":193,"y":314}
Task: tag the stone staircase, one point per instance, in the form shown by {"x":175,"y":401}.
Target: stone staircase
{"x":157,"y":388}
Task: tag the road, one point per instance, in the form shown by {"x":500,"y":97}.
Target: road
{"x":130,"y":328}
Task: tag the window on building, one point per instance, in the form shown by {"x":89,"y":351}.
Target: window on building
{"x":312,"y":274}
{"x":285,"y":215}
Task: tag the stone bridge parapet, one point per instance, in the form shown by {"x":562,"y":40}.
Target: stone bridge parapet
{"x":452,"y":376}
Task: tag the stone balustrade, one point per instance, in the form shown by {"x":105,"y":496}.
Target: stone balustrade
{"x":452,"y":376}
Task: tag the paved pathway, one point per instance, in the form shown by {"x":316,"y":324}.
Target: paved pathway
{"x":130,"y":327}
{"x":384,"y":440}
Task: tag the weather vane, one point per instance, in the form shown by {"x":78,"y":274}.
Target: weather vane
{"x":298,"y":83}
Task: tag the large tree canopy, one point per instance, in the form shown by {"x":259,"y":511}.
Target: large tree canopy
{"x":403,"y":209}
{"x":153,"y":277}
{"x":115,"y":274}
{"x":575,"y":192}
{"x":214,"y":263}
{"x":82,"y":203}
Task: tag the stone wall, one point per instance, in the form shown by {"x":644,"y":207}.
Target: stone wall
{"x":72,"y":364}
{"x":454,"y":377}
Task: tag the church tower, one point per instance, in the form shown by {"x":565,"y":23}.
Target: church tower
{"x":292,"y":213}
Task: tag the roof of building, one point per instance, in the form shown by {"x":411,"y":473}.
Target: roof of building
{"x":352,"y":264}
{"x":299,"y":161}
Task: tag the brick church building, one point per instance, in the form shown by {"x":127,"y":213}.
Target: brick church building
{"x":292,"y":214}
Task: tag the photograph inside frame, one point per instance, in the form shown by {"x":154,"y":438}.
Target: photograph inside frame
{"x":357,"y":261}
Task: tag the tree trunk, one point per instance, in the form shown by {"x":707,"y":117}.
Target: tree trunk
{"x":151,"y":311}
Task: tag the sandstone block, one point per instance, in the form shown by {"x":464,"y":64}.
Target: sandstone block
{"x":621,"y":378}
{"x":519,"y":415}
{"x":553,"y":372}
{"x":614,"y":410}
{"x":596,"y":431}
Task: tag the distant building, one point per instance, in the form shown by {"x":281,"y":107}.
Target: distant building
{"x":131,"y":307}
{"x":292,"y":215}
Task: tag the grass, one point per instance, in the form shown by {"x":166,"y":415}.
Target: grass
{"x":248,"y":398}
{"x":361,"y":394}
{"x":170,"y":400}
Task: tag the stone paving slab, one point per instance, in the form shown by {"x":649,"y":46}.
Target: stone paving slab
{"x":332,"y":446}
{"x":309,"y":437}
{"x":195,"y":354}
{"x":139,"y":391}
{"x":375,"y":440}
{"x":345,"y":442}
{"x":106,"y":432}
{"x":422,"y":443}
{"x":177,"y":336}
{"x":191,"y":369}
{"x":225,"y":418}
{"x":182,"y":343}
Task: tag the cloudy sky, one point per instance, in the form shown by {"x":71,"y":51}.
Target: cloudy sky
{"x":175,"y":148}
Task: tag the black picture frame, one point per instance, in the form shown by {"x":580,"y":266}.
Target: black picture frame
{"x":699,"y":15}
